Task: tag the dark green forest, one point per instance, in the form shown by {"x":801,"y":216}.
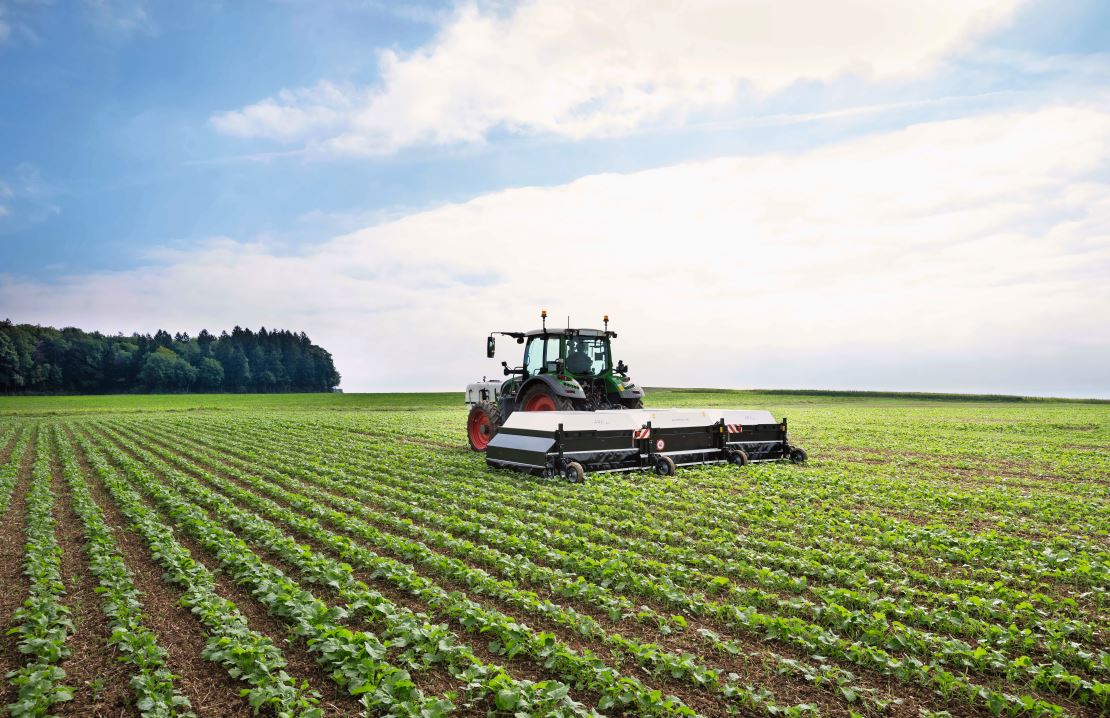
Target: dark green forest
{"x":45,"y":360}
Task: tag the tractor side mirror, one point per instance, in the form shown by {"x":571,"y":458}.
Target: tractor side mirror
{"x":491,"y":346}
{"x":621,"y":368}
{"x":505,"y":366}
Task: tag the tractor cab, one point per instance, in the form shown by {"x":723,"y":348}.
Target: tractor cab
{"x":581,"y":352}
{"x":561,"y":370}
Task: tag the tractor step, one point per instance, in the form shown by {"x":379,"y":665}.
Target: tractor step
{"x":549,"y":443}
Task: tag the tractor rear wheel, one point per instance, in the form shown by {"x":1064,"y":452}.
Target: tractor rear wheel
{"x":482,"y":424}
{"x":539,"y":398}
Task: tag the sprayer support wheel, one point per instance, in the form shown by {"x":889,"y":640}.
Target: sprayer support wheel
{"x":664,"y":466}
{"x":798,"y":455}
{"x":574,"y":472}
{"x":739,"y":458}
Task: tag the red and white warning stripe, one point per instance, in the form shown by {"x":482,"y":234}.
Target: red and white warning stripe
{"x":734,"y":428}
{"x":641,"y":434}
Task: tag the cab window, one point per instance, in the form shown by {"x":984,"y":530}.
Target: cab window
{"x":533,"y":356}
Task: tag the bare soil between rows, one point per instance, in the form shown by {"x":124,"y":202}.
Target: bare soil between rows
{"x":93,"y":669}
{"x":12,"y":579}
{"x":335,"y":701}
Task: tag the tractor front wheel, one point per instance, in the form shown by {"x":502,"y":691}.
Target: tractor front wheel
{"x":633,"y":403}
{"x":540,"y":399}
{"x":482,"y":424}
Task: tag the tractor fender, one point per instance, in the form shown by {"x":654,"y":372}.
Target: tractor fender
{"x":631,"y":391}
{"x":553,"y":385}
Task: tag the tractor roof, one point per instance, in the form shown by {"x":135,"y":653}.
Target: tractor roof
{"x":564,"y":330}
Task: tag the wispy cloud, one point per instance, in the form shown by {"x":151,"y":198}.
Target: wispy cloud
{"x":924,"y":258}
{"x":117,"y":18}
{"x":25,"y":199}
{"x":582,"y":69}
{"x":121,"y":17}
{"x":14,"y":25}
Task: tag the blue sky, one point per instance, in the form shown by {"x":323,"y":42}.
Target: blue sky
{"x":414,"y":174}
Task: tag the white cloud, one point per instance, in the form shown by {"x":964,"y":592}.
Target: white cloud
{"x":961,"y":255}
{"x":580,"y":69}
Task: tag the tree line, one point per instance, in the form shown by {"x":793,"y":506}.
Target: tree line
{"x":43,"y":360}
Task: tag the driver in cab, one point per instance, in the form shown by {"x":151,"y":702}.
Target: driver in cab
{"x":578,"y":361}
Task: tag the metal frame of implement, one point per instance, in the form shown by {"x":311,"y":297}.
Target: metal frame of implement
{"x":547,"y":443}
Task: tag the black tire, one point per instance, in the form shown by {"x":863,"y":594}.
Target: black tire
{"x":492,"y":410}
{"x":664,"y":466}
{"x":739,"y":458}
{"x":574,"y":473}
{"x":632,"y":403}
{"x":561,"y":403}
{"x":798,"y":456}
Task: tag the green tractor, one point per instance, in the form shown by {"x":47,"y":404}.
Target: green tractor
{"x":563,"y":370}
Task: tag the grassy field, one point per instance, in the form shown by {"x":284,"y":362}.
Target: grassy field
{"x":346,"y":555}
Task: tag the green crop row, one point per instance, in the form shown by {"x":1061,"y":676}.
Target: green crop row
{"x":651,"y":657}
{"x":583,"y":669}
{"x":155,"y":693}
{"x":356,"y":659}
{"x":43,"y":622}
{"x":621,"y":504}
{"x":515,"y":566}
{"x":247,"y":655}
{"x":576,"y":551}
{"x":9,"y":471}
{"x":808,"y":636}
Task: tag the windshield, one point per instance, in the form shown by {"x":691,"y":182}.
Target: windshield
{"x":587,"y":355}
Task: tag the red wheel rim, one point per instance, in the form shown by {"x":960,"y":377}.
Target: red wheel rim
{"x":480,"y":429}
{"x":540,"y":402}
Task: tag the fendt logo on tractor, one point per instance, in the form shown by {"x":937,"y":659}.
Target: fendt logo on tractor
{"x":568,"y":410}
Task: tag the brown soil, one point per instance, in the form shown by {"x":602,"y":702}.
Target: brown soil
{"x":14,"y":583}
{"x":335,"y":700}
{"x":211,"y":690}
{"x":93,"y":669}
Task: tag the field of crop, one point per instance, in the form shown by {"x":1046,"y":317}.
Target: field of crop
{"x":347,"y":555}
